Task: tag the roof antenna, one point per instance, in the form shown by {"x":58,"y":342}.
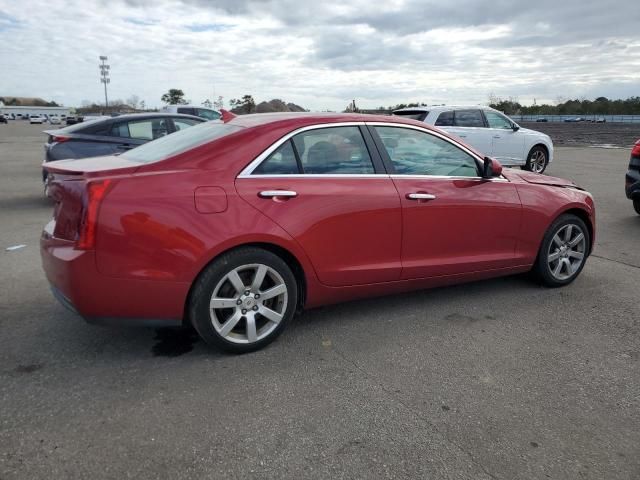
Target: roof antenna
{"x":227,"y":116}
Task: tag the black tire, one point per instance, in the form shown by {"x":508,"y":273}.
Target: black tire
{"x":542,"y":269}
{"x":536,"y":153}
{"x":636,"y":205}
{"x":199,"y":311}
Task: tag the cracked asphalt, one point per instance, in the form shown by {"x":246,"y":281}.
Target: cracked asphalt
{"x":500,"y":379}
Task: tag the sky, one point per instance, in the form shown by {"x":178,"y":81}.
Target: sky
{"x":321,"y":54}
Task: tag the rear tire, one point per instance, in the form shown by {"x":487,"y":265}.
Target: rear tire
{"x":563,"y":252}
{"x":636,"y":205}
{"x":537,"y":160}
{"x":243,"y":300}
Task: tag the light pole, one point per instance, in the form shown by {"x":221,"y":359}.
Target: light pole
{"x":104,"y":77}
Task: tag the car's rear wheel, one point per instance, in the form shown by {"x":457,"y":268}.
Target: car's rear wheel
{"x":563,"y":252}
{"x":243,"y":300}
{"x":636,"y":205}
{"x":537,"y":160}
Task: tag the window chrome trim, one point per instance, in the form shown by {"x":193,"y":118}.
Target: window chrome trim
{"x":247,"y":172}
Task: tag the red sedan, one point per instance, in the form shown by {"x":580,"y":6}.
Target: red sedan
{"x":234,"y":226}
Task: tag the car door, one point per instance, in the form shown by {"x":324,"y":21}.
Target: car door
{"x":469,"y":125}
{"x":454,"y":221}
{"x":328,"y":192}
{"x":507,"y":143}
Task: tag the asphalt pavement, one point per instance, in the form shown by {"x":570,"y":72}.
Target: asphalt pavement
{"x":501,"y":379}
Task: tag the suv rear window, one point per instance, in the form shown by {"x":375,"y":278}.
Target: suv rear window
{"x":413,"y":114}
{"x":179,"y":142}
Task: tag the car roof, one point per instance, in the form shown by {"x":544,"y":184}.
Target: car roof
{"x":303,"y":119}
{"x":431,"y":108}
{"x":166,"y":107}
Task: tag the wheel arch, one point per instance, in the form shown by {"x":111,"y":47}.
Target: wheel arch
{"x":584,"y":216}
{"x":290,"y":259}
{"x":542,"y":145}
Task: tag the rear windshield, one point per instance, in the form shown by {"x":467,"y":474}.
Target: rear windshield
{"x":415,"y":115}
{"x":179,"y":142}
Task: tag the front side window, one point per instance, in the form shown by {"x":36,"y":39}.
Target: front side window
{"x":413,"y":152}
{"x":208,"y":114}
{"x":496,"y":120}
{"x":468,"y":118}
{"x":445,"y":119}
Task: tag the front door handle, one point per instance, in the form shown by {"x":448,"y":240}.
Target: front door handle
{"x":420,"y":196}
{"x":496,"y":136}
{"x":277,"y":193}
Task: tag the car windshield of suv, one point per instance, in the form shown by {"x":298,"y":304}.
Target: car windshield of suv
{"x":179,"y":142}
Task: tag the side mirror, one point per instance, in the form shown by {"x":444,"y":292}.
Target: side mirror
{"x":491,"y":168}
{"x":515,"y":127}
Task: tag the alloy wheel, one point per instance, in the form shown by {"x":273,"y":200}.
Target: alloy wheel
{"x":567,"y":252}
{"x":248,"y":303}
{"x":538,"y":161}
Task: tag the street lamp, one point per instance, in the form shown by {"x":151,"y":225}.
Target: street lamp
{"x":104,"y":77}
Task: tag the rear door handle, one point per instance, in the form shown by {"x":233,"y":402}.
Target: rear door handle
{"x":420,"y":196}
{"x":496,"y":136}
{"x":277,"y":193}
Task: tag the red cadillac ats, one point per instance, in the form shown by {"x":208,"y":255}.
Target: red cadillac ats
{"x":234,"y":226}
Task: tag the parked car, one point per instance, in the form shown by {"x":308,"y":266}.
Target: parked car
{"x":3,"y":119}
{"x":206,"y":113}
{"x":110,"y":136}
{"x":234,"y":226}
{"x":36,"y":118}
{"x":601,"y":120}
{"x":574,"y":120}
{"x":54,"y":120}
{"x":489,"y":131}
{"x":542,"y":120}
{"x":632,"y":178}
{"x":71,"y":120}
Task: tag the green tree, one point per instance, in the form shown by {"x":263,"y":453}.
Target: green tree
{"x":246,"y":104}
{"x":174,"y":96}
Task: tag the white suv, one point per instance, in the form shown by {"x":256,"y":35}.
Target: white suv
{"x":489,"y":131}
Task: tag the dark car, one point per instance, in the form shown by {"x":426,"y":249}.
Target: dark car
{"x":3,"y":119}
{"x":632,"y":179}
{"x":110,"y":136}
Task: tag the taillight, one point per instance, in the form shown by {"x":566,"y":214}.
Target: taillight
{"x":96,"y":192}
{"x":58,"y":139}
{"x":636,"y":150}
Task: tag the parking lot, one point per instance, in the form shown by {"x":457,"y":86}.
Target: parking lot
{"x":500,"y":379}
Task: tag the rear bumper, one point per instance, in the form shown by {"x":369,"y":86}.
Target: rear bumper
{"x":98,"y":299}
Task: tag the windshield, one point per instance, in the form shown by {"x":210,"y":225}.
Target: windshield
{"x":179,"y":142}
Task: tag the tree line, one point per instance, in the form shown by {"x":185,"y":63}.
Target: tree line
{"x":599,"y":106}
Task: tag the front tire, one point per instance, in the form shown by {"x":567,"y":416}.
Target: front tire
{"x":537,"y":160}
{"x":636,"y":205}
{"x":563,"y":252}
{"x":243,"y":300}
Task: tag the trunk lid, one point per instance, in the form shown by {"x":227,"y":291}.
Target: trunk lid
{"x":93,"y":166}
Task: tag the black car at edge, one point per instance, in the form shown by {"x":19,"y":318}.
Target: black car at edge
{"x":632,"y":178}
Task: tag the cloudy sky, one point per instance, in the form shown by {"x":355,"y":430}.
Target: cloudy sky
{"x":323,"y":53}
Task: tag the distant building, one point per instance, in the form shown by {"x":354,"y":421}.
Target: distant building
{"x":22,"y":107}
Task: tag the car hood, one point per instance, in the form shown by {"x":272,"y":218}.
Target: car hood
{"x":538,"y":179}
{"x":528,"y":131}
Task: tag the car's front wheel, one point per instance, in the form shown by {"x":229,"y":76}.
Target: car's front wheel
{"x":563,"y":252}
{"x":636,"y":205}
{"x":537,"y":160}
{"x":243,"y":300}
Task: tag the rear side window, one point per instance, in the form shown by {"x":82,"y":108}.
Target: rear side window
{"x":468,"y":118}
{"x":182,"y":123}
{"x":187,"y":110}
{"x":180,"y":142}
{"x":120,"y":130}
{"x":207,"y":114}
{"x":323,"y":151}
{"x":445,"y":119}
{"x":333,"y":150}
{"x":281,"y":162}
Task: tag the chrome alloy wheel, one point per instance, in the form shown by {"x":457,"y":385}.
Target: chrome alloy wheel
{"x":567,"y":252}
{"x":248,"y":303}
{"x":538,"y":161}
